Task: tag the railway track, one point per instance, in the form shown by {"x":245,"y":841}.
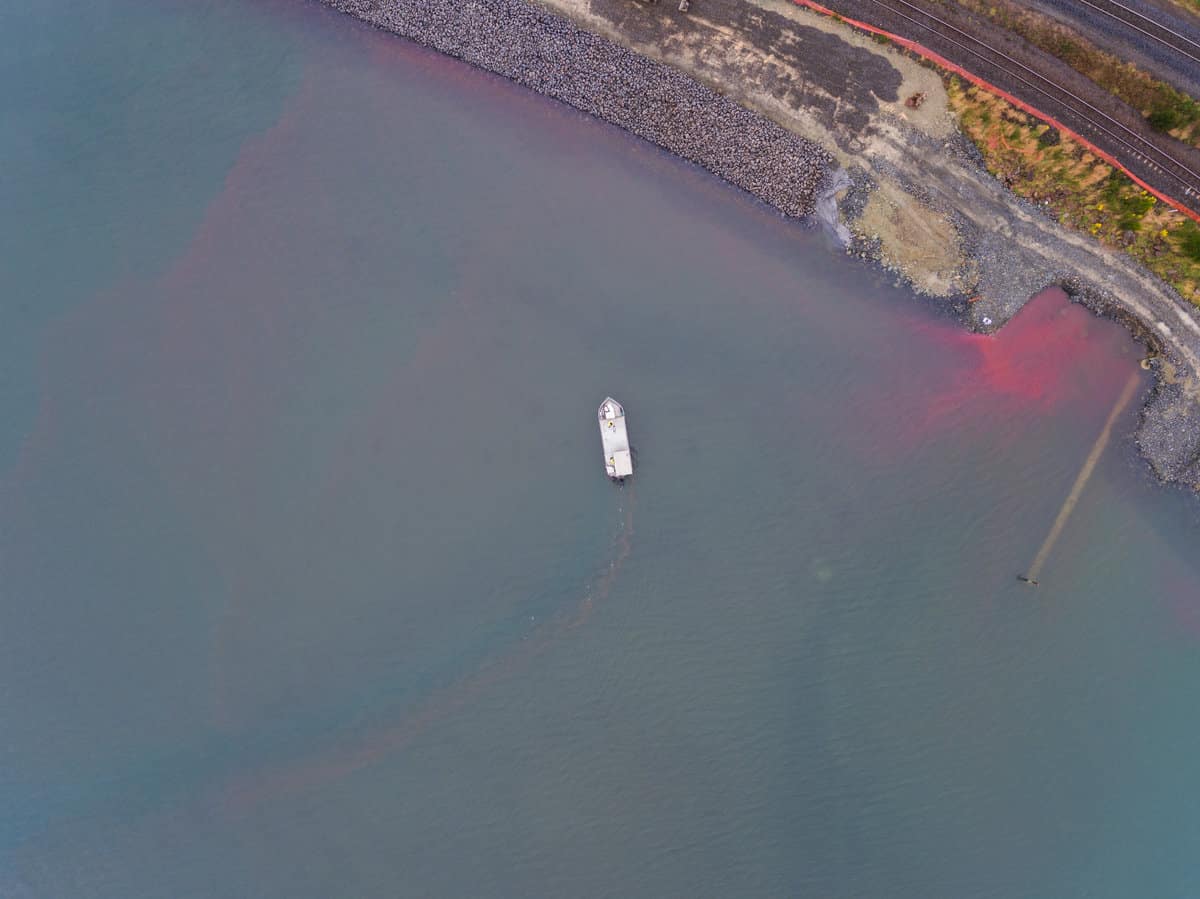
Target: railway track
{"x":1181,"y":179}
{"x":1146,"y":26}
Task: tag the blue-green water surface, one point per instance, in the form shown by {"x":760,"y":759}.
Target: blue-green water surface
{"x":311,"y":583}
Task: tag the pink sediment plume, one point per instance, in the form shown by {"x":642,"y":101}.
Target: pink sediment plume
{"x":200,"y":335}
{"x":1052,"y":354}
{"x":1033,"y":360}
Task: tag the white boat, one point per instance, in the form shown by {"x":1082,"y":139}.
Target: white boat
{"x":618,"y":460}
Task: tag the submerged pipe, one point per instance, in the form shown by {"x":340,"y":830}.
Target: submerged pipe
{"x":1085,"y":474}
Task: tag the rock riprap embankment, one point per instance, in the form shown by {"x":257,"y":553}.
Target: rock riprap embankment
{"x":556,"y":58}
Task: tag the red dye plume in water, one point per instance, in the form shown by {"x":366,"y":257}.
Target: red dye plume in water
{"x":1035,"y":359}
{"x":1052,"y":354}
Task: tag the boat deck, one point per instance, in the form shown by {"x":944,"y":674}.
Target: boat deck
{"x":618,"y":460}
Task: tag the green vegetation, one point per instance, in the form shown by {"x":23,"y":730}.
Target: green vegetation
{"x":1127,"y":206}
{"x":1189,"y":238}
{"x":1079,"y":188}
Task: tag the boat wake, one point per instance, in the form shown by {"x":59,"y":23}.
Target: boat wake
{"x":368,"y":747}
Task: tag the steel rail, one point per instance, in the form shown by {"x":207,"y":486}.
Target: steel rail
{"x":1144,"y":18}
{"x":1192,"y":187}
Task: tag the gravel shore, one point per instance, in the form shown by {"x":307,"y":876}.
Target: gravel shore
{"x":554,"y":57}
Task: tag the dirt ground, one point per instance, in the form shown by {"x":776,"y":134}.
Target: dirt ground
{"x":917,"y":241}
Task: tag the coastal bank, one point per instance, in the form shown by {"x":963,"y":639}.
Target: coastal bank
{"x":794,"y":107}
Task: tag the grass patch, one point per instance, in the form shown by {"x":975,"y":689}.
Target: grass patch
{"x":1081,"y":190}
{"x":1189,"y":240}
{"x":1165,"y":108}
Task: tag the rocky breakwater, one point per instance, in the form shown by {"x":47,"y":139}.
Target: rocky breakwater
{"x":555,"y":57}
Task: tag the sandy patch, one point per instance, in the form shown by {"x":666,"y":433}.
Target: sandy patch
{"x":917,"y":241}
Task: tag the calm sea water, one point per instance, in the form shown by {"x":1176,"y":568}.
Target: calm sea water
{"x":311,"y":584}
